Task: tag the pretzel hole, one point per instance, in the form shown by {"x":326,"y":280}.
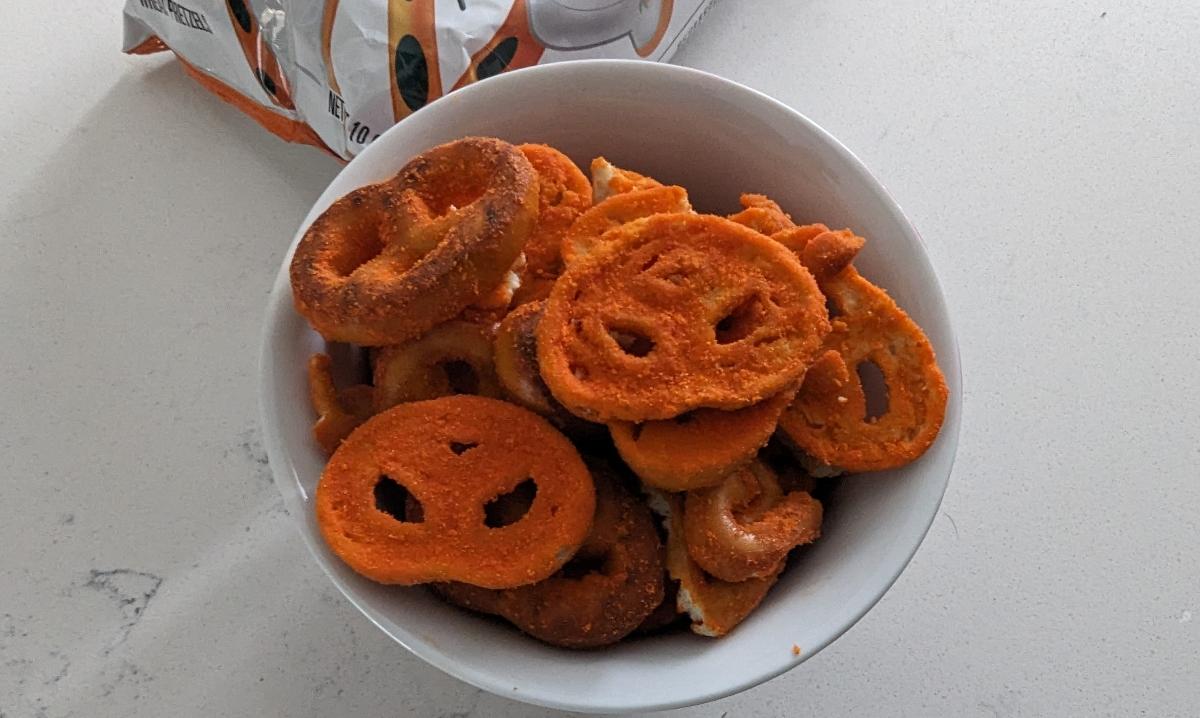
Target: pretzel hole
{"x":459,"y":447}
{"x":673,"y":267}
{"x":832,"y":307}
{"x":359,"y":361}
{"x":507,"y":509}
{"x":357,"y":251}
{"x":584,"y":564}
{"x":460,"y":376}
{"x":751,"y":511}
{"x":875,"y":389}
{"x":741,"y":321}
{"x":395,"y":500}
{"x":453,"y":190}
{"x":632,"y":341}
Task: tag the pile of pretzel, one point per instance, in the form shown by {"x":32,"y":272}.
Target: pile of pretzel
{"x":591,"y":410}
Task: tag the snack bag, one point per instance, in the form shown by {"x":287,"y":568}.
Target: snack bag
{"x":337,"y":73}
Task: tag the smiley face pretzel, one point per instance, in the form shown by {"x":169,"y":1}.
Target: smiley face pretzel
{"x":679,"y":312}
{"x":829,"y":419}
{"x":454,"y":456}
{"x":388,"y":262}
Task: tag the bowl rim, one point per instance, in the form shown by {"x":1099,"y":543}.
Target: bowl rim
{"x":283,"y":470}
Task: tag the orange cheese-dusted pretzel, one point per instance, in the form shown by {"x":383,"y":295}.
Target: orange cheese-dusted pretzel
{"x":516,"y":366}
{"x":589,"y":231}
{"x":454,"y":455}
{"x":452,"y":358}
{"x":666,"y":615}
{"x":533,"y":289}
{"x":762,"y":214}
{"x":614,"y":582}
{"x":823,"y":251}
{"x":698,"y":448}
{"x":829,"y":419}
{"x":496,"y":302}
{"x":258,"y":53}
{"x":338,"y":412}
{"x":368,"y":273}
{"x":715,"y":607}
{"x":680,"y":312}
{"x":745,"y":527}
{"x":564,"y":195}
{"x":609,"y":180}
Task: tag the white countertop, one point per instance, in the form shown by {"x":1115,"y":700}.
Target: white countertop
{"x":1048,"y":151}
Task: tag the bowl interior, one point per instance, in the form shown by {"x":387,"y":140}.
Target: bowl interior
{"x":718,"y":139}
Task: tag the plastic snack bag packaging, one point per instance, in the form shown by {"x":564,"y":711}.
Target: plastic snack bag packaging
{"x":337,"y":73}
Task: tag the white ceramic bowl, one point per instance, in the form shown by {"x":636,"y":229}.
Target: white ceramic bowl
{"x":718,"y":139}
